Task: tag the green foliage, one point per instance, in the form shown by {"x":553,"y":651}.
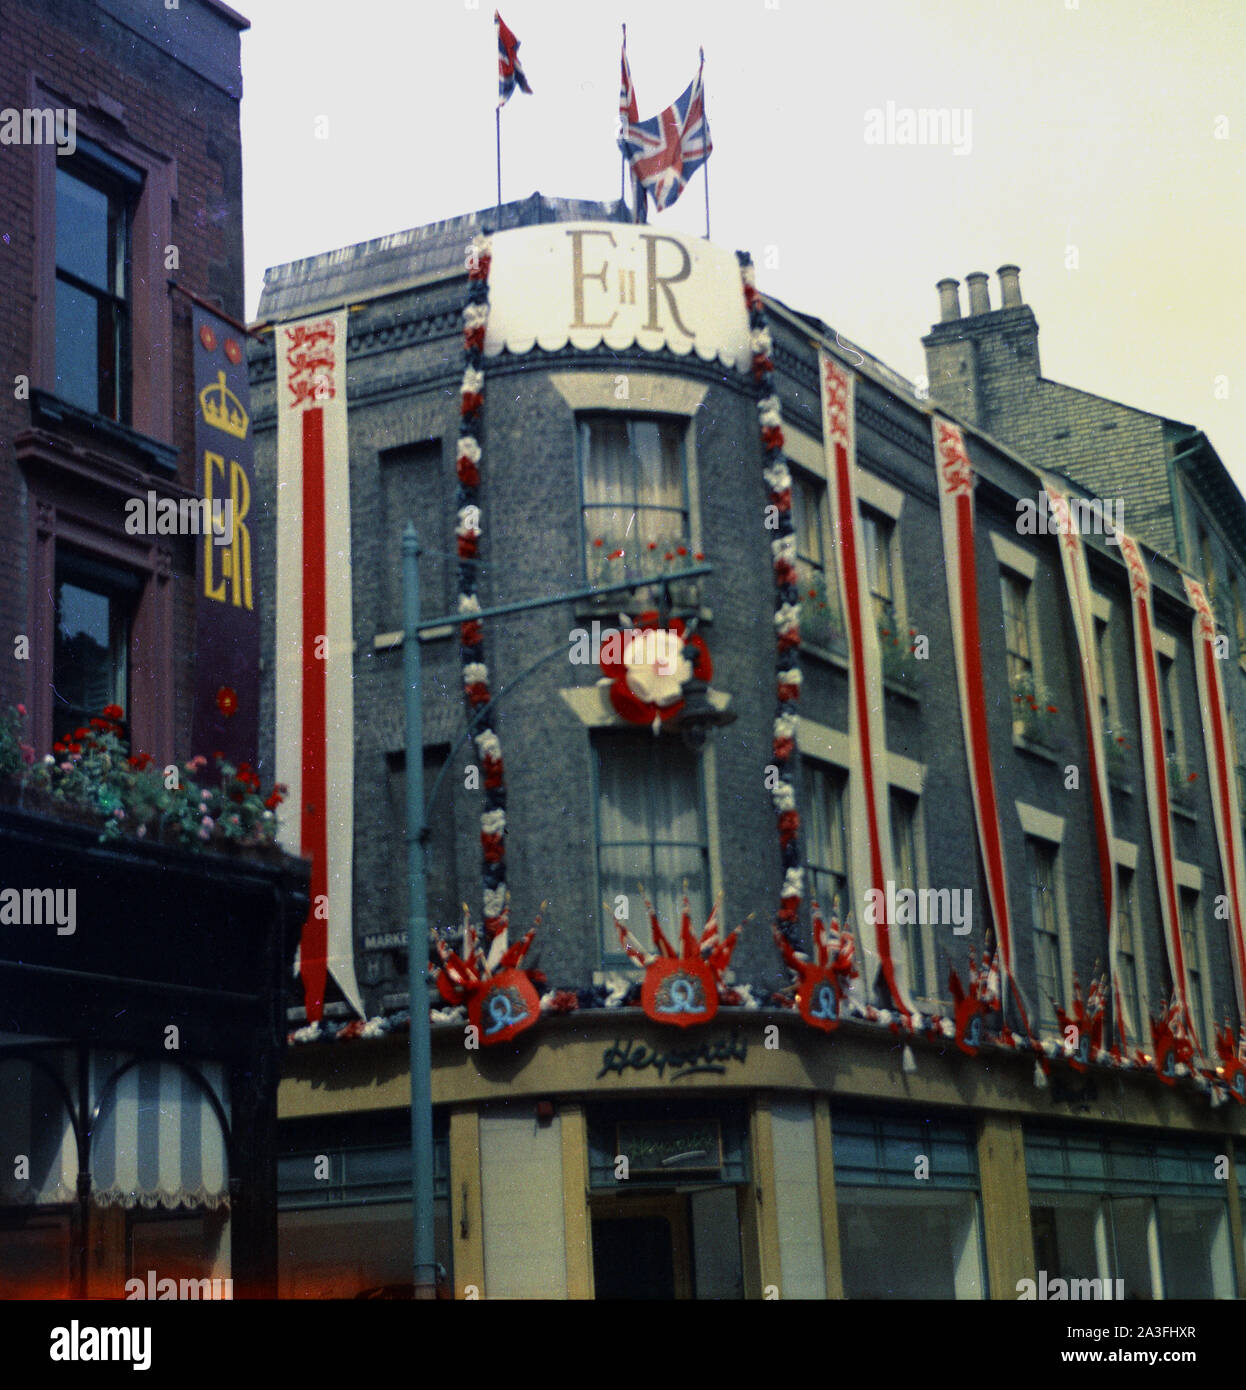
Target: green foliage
{"x":1034,"y":713}
{"x":897,"y":643}
{"x":91,"y":773}
{"x":821,"y":623}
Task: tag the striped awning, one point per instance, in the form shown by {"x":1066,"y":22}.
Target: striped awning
{"x":157,"y":1141}
{"x":36,"y":1136}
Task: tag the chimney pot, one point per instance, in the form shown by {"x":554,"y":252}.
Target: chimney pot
{"x":949,"y":300}
{"x":1010,"y":287}
{"x":979,"y":292}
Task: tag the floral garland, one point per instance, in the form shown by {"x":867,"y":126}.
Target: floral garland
{"x":471,"y":633}
{"x":92,"y":775}
{"x":969,"y":1031}
{"x":786,"y":604}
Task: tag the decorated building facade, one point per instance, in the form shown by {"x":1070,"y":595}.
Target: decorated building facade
{"x":979,"y":1022}
{"x":146,"y":919}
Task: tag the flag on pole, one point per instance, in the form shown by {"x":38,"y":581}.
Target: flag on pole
{"x":510,"y":73}
{"x":629,"y":112}
{"x":629,"y":115}
{"x":667,"y":150}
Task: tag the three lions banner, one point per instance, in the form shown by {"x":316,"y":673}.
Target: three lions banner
{"x":315,"y":707}
{"x":955,"y":477}
{"x":1155,"y":767}
{"x":1218,"y":743}
{"x":867,"y":743}
{"x":1077,"y":583}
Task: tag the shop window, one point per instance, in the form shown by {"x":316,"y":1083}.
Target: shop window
{"x":634,"y":491}
{"x":94,"y":208}
{"x":37,"y":1253}
{"x":186,"y":1246}
{"x":350,"y":1233}
{"x":900,"y":1238}
{"x":1149,"y":1214}
{"x":651,"y":831}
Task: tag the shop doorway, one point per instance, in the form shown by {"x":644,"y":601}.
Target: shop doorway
{"x":674,"y":1244}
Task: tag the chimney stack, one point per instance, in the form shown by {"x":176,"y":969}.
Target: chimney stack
{"x":979,"y":293}
{"x":1010,"y":287}
{"x":949,"y":300}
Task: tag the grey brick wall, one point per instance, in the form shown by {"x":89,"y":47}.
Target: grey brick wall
{"x":402,"y":384}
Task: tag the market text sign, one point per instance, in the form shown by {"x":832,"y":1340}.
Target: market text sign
{"x":611,"y":283}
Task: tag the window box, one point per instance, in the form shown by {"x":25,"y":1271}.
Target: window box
{"x":1182,"y":785}
{"x":624,"y":563}
{"x":1034,"y":716}
{"x":901,"y":667}
{"x":821,"y":623}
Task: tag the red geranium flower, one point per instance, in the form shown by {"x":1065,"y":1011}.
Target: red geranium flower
{"x":113,"y":712}
{"x":227,"y":701}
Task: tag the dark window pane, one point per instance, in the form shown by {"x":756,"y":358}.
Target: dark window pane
{"x":84,"y":232}
{"x":90,"y":659}
{"x":78,"y":327}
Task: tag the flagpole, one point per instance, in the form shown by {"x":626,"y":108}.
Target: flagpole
{"x":705,"y":169}
{"x":497,"y":130}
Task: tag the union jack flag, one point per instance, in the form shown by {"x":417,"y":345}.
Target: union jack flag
{"x":510,"y":73}
{"x":629,"y":113}
{"x":667,"y":150}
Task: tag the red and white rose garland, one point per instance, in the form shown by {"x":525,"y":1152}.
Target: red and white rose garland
{"x":778,"y":480}
{"x":468,"y":530}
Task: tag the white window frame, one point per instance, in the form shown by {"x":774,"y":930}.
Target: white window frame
{"x":1042,"y":826}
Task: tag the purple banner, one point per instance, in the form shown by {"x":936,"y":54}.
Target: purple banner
{"x":227,"y":626}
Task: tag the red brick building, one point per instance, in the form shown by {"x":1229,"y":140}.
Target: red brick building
{"x":138,"y":1035}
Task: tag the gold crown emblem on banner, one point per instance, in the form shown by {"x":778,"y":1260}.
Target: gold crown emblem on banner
{"x":222,"y":409}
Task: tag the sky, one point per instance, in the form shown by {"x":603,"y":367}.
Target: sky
{"x":1097,"y":144}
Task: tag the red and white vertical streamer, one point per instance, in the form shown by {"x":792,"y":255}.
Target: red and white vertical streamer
{"x":955,"y":477}
{"x":1218,"y":744}
{"x":1155,"y":767}
{"x":1077,"y":582}
{"x":315,"y":706}
{"x":867,"y":782}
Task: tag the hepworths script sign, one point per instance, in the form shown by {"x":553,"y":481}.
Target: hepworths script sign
{"x":612,"y":283}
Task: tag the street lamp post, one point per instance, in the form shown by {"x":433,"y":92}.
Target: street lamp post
{"x":425,"y":1251}
{"x":417,"y":932}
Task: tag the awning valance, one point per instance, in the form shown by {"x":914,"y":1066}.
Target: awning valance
{"x":40,"y":1153}
{"x":157,"y":1140}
